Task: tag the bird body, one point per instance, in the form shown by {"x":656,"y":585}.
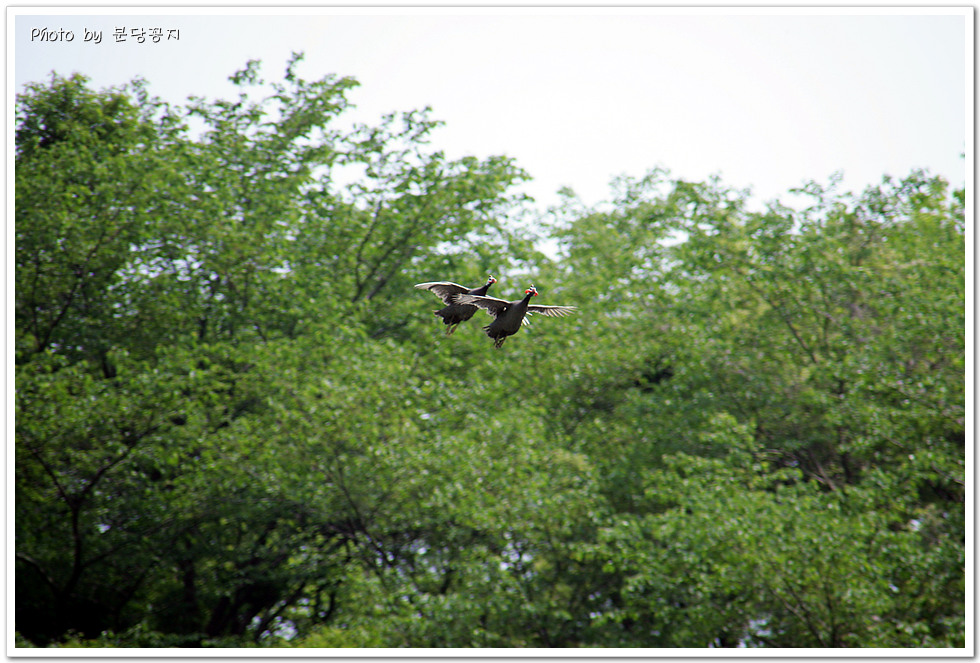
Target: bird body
{"x":510,"y":316}
{"x":455,"y":313}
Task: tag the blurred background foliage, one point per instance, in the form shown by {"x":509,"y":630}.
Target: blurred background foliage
{"x":237,"y":424}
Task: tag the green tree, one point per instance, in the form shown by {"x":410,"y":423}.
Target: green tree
{"x":90,"y":171}
{"x":800,"y":339}
{"x":152,"y":378}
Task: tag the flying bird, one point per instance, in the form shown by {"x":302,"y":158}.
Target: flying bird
{"x":509,"y":316}
{"x":454,"y":313}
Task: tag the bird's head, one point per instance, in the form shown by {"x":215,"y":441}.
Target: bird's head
{"x":531,"y":291}
{"x":491,"y":280}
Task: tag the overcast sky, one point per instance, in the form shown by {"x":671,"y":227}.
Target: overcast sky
{"x":766,"y":99}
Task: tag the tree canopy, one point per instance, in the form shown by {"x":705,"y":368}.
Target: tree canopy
{"x":237,"y":423}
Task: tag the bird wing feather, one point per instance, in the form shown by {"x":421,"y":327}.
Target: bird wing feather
{"x":491,"y":305}
{"x":552,"y":311}
{"x":445,"y":290}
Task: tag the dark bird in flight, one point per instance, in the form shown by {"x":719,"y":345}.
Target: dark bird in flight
{"x":455,"y":313}
{"x":509,"y":316}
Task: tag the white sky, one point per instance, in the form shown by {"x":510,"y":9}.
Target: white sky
{"x":766,"y":99}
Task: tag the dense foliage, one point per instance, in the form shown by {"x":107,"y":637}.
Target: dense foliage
{"x":237,"y":424}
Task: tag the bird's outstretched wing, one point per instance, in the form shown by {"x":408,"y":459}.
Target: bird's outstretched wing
{"x":552,"y":311}
{"x":492,"y":305}
{"x":445,"y":290}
